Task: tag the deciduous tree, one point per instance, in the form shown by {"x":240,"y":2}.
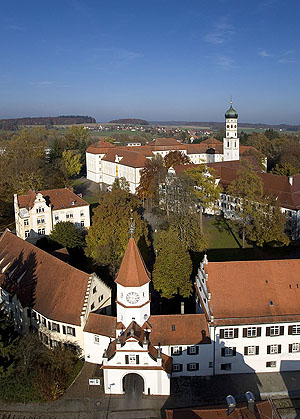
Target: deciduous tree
{"x":71,"y":163}
{"x":66,"y":234}
{"x":173,"y":266}
{"x":108,"y":235}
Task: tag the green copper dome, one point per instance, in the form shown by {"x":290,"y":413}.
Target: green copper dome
{"x":231,"y":113}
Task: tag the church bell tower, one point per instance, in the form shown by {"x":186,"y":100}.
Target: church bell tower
{"x":231,"y":146}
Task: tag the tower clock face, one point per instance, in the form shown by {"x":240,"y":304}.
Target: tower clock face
{"x":132,"y":297}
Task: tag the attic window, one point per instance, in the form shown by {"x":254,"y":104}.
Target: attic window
{"x":173,"y":327}
{"x":73,"y":202}
{"x":271,"y":303}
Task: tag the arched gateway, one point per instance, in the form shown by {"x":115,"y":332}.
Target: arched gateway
{"x":133,"y":385}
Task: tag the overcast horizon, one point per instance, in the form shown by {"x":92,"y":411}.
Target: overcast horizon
{"x":160,"y":61}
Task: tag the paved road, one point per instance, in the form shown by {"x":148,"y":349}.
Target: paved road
{"x":82,"y":402}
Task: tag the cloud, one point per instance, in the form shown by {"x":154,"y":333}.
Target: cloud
{"x":47,"y":83}
{"x":264,"y":53}
{"x":221,"y":33}
{"x":16,"y":28}
{"x":224,"y":62}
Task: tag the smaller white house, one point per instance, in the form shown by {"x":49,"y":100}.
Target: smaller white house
{"x":36,"y":213}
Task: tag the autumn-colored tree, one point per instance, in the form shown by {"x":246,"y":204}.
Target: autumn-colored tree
{"x":71,"y":163}
{"x":188,"y":231}
{"x":204,"y":188}
{"x":248,"y":187}
{"x":173,"y":266}
{"x":267,"y":224}
{"x":66,"y":234}
{"x":108,"y":235}
{"x":121,"y":183}
{"x":175,"y":158}
{"x":151,"y":175}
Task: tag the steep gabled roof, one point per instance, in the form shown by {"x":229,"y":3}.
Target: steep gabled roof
{"x":101,"y":325}
{"x":164,"y":142}
{"x":133,"y":272}
{"x":55,"y":198}
{"x":41,"y":281}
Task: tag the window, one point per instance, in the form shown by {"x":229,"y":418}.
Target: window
{"x":176,"y":350}
{"x":97,"y":339}
{"x":177,"y":367}
{"x":100,"y":298}
{"x":251,"y":350}
{"x":228,"y":351}
{"x":193,"y":366}
{"x":229,"y":333}
{"x":173,"y":327}
{"x":295,"y":330}
{"x":251,"y":332}
{"x":210,"y":364}
{"x":226,"y":367}
{"x":69,"y":215}
{"x":41,"y":231}
{"x":55,"y":327}
{"x":271,"y":364}
{"x":294,"y":347}
{"x":27,"y":234}
{"x":92,"y":306}
{"x":132,"y":359}
{"x":56,"y":218}
{"x":81,"y":214}
{"x":273,"y":349}
{"x":44,"y":321}
{"x":94,"y":290}
{"x":275,"y":331}
{"x":192,"y":350}
{"x":26,"y":222}
{"x":70,"y":330}
{"x":81,"y":223}
{"x":39,"y":210}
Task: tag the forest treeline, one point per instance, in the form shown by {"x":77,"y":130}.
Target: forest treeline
{"x":11,"y":124}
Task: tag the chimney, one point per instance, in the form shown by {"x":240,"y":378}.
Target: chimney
{"x":145,"y":342}
{"x":291,"y":180}
{"x":118,"y":344}
{"x":205,"y":260}
{"x":250,"y":401}
{"x":231,"y":404}
{"x":159,"y":357}
{"x":182,"y":307}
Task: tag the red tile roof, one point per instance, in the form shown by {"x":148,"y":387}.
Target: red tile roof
{"x":99,"y":148}
{"x":56,"y":198}
{"x":101,"y":325}
{"x":257,"y":290}
{"x":48,"y":285}
{"x":131,"y":158}
{"x":190,"y":329}
{"x":164,"y":142}
{"x":132,"y":272}
{"x":263,"y":410}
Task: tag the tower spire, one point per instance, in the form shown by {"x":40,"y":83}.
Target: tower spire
{"x":131,"y":226}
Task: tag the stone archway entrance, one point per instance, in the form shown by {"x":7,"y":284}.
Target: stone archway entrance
{"x":133,"y":385}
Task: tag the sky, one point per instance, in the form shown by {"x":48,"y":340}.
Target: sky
{"x":155,"y":60}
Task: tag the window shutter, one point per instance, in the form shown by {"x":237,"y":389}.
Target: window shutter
{"x":257,"y":350}
{"x":137,"y":359}
{"x":126,"y":359}
{"x":268,"y":330}
{"x":279,"y":349}
{"x":64,"y":330}
{"x":290,"y":330}
{"x":290,"y":347}
{"x":197,"y":350}
{"x":281,"y":330}
{"x":221,"y":333}
{"x":58,"y":328}
{"x":222,"y":351}
{"x":180,"y":350}
{"x":171,"y":350}
{"x":258,"y":331}
{"x":268,"y":349}
{"x":188,"y":350}
{"x":233,"y":351}
{"x":236,"y":333}
{"x":246,"y":350}
{"x":244,"y":332}
{"x":197,"y":366}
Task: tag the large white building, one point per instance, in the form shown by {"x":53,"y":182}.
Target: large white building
{"x":247,"y":317}
{"x":106,"y":162}
{"x":36,"y":213}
